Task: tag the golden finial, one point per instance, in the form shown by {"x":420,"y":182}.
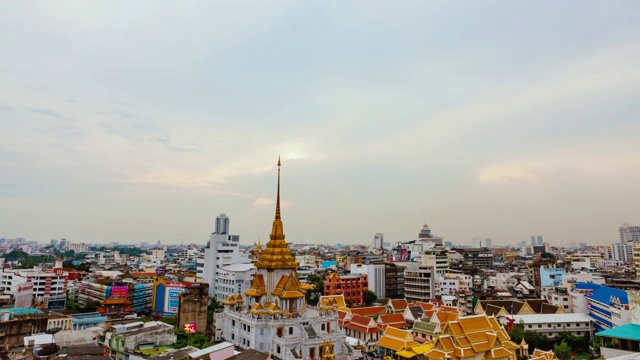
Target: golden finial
{"x":278,"y":193}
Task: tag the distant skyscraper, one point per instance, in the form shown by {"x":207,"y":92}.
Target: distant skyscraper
{"x":629,"y":233}
{"x":481,"y":243}
{"x":222,"y":224}
{"x":378,"y":241}
{"x":533,"y":240}
{"x":539,"y":241}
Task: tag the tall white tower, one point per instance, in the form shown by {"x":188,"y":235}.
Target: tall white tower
{"x":222,"y":224}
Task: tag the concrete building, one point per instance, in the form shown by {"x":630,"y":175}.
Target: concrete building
{"x":375,"y":276}
{"x":377,"y":242}
{"x":222,"y":224}
{"x":222,"y":250}
{"x":551,"y":326}
{"x":608,"y":307}
{"x":437,"y":257}
{"x":477,"y":257}
{"x":47,"y":283}
{"x":192,"y":310}
{"x":629,"y":233}
{"x":482,"y":243}
{"x":121,"y":340}
{"x":233,"y":279}
{"x":419,"y":282}
{"x":352,"y":287}
{"x":395,"y":280}
{"x":622,"y":252}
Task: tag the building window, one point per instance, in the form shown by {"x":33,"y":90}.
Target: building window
{"x":290,"y":330}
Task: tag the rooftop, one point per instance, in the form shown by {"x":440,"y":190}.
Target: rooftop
{"x":210,"y":349}
{"x":628,"y":331}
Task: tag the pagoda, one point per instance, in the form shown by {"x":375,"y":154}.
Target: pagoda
{"x":273,"y":316}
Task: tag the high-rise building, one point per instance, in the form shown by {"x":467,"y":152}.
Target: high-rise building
{"x":378,"y":241}
{"x":533,"y":240}
{"x":539,"y":241}
{"x":222,"y":224}
{"x":482,"y":243}
{"x":222,"y":250}
{"x":622,"y":252}
{"x":630,"y":233}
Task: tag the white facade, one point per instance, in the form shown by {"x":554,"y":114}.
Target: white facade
{"x":419,"y":281}
{"x":375,"y":275}
{"x":306,"y":260}
{"x":629,"y":233}
{"x":79,"y":247}
{"x":622,"y":252}
{"x":45,"y":283}
{"x":223,"y":250}
{"x":551,"y":326}
{"x":233,"y":279}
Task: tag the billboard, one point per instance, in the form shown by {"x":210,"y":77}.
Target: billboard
{"x":119,"y":292}
{"x":173,"y":299}
{"x":24,"y":296}
{"x":56,"y":302}
{"x":189,"y":328}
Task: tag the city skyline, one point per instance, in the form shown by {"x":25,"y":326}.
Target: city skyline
{"x":132,"y":123}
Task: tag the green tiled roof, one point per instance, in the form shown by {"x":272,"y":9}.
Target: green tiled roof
{"x":628,"y":331}
{"x":424,"y":327}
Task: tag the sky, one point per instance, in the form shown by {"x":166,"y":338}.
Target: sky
{"x":142,"y":121}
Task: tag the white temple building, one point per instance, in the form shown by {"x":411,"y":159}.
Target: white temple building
{"x":273,"y":316}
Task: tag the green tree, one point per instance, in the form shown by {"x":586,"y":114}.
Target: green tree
{"x":91,"y":306}
{"x":562,"y":351}
{"x":213,"y":306}
{"x":199,"y":341}
{"x":171,"y":320}
{"x":313,"y":296}
{"x":370,"y":297}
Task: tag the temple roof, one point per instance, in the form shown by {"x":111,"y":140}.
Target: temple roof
{"x":277,"y":254}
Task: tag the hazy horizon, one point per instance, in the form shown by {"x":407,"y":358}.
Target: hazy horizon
{"x":142,"y":121}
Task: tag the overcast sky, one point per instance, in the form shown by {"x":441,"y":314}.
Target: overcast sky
{"x":136,"y":121}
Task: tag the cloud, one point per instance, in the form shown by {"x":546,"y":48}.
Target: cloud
{"x":262,"y":202}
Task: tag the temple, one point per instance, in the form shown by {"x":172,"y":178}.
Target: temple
{"x":273,"y":315}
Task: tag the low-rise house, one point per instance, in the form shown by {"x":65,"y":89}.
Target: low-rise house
{"x":223,"y":350}
{"x":552,"y":326}
{"x":88,"y":320}
{"x":364,"y":329}
{"x":122,"y":340}
{"x":396,"y":306}
{"x":423,"y":330}
{"x":392,"y":320}
{"x":413,"y":313}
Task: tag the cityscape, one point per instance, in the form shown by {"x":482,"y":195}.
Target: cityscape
{"x":421,"y":298}
{"x":328,"y":180}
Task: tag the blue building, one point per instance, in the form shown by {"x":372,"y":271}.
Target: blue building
{"x":551,"y":276}
{"x":607,"y":306}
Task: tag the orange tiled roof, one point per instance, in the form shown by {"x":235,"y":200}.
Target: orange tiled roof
{"x":399,"y":304}
{"x":258,"y":287}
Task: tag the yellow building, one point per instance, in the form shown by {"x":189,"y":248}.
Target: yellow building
{"x":636,"y":258}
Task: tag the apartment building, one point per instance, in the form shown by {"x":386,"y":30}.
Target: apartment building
{"x":352,"y":287}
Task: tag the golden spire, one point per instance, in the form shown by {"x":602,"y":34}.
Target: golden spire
{"x":277,"y":254}
{"x":278,"y":193}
